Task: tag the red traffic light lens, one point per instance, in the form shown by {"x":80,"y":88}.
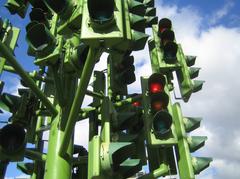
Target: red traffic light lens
{"x":136,"y":104}
{"x":156,"y":83}
{"x":156,"y":87}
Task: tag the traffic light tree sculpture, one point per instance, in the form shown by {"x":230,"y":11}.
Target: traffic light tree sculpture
{"x":127,"y":131}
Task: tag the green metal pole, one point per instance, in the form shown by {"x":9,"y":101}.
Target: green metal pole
{"x":185,"y":163}
{"x":57,"y":167}
{"x":28,"y":80}
{"x":79,"y":96}
{"x":38,"y":165}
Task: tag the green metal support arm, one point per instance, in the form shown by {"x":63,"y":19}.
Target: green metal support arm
{"x":28,"y":80}
{"x":35,"y":155}
{"x":77,"y":102}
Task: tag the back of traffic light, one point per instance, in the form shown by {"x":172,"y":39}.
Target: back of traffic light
{"x":21,"y":125}
{"x":185,"y":75}
{"x":121,"y":73}
{"x":188,"y":165}
{"x":19,"y":7}
{"x":108,"y":157}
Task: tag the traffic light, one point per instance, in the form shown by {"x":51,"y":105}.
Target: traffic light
{"x":185,"y":75}
{"x":70,"y":13}
{"x":12,"y":142}
{"x":135,"y":21}
{"x":17,"y":7}
{"x":42,"y":44}
{"x":158,"y":125}
{"x":75,"y":56}
{"x":158,"y":119}
{"x":10,"y":103}
{"x":108,"y":158}
{"x":114,"y":24}
{"x":121,"y":69}
{"x":167,"y":44}
{"x":40,"y":38}
{"x":163,"y":48}
{"x":188,"y":166}
{"x":102,"y":23}
{"x":8,"y":34}
{"x":112,"y":159}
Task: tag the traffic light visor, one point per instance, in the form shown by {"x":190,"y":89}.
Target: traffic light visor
{"x":56,"y":5}
{"x":12,"y":138}
{"x":101,"y":11}
{"x":37,"y":14}
{"x":39,"y":37}
{"x":156,"y":83}
{"x":163,"y":24}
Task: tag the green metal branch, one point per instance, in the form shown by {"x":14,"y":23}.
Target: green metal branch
{"x":128,"y":100}
{"x":58,"y":84}
{"x":28,"y":80}
{"x":94,"y":94}
{"x":77,"y":102}
{"x":35,"y":155}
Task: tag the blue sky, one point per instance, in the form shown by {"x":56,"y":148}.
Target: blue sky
{"x":209,"y":29}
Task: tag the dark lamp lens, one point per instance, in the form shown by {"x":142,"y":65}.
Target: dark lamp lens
{"x":159,"y":101}
{"x":157,"y":105}
{"x":162,"y":123}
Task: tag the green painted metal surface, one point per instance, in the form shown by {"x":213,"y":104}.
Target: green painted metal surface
{"x":127,"y":131}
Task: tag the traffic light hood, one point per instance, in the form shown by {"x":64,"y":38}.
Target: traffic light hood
{"x":12,"y":138}
{"x":101,"y":12}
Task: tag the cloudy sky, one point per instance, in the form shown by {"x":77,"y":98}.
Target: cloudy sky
{"x":211,"y":31}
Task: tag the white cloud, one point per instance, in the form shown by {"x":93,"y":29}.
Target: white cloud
{"x":218,"y":103}
{"x":222,"y":12}
{"x":218,"y":54}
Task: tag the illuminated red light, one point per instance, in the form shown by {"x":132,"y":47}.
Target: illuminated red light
{"x":136,"y":104}
{"x":156,"y":87}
